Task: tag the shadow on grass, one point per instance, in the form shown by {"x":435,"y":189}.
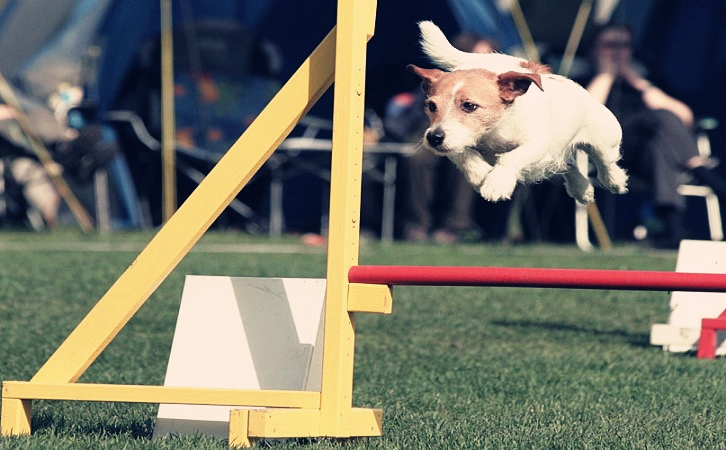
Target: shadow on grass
{"x":57,"y":419}
{"x":634,"y":339}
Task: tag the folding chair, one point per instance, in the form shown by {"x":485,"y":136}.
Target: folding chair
{"x":689,"y":189}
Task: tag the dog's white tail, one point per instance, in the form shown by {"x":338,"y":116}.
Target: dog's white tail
{"x":447,"y":57}
{"x":435,"y":45}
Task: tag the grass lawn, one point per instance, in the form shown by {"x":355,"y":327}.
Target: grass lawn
{"x":451,"y":367}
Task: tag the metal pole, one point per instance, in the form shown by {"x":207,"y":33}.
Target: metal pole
{"x":168,"y":132}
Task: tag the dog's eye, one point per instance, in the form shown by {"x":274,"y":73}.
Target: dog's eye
{"x":431,"y":106}
{"x":469,"y":107}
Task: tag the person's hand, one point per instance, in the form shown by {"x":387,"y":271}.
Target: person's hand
{"x":634,"y":79}
{"x":607,"y":63}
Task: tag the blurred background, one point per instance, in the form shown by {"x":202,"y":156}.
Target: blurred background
{"x":230,"y":56}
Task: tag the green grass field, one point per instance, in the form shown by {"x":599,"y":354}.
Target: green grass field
{"x":466,"y":368}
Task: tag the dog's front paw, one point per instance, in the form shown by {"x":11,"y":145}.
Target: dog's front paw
{"x":585,"y":197}
{"x":579,"y":187}
{"x":499,"y":184}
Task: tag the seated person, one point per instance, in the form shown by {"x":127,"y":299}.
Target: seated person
{"x":79,"y":152}
{"x":658,"y":142}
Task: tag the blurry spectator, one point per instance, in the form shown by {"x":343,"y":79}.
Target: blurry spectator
{"x":47,"y":84}
{"x":27,"y":193}
{"x":658,"y":143}
{"x":438,"y":200}
{"x":79,"y":152}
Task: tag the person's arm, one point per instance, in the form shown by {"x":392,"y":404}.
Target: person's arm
{"x":655,"y":98}
{"x":600,"y":86}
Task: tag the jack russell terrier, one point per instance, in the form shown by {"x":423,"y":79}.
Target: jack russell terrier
{"x":499,"y":130}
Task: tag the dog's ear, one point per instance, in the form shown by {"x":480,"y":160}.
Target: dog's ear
{"x":428,"y":76}
{"x":514,"y":84}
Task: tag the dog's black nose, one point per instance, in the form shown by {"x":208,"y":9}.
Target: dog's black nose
{"x":435,"y":137}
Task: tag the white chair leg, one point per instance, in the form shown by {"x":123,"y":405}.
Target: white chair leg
{"x":714,"y":217}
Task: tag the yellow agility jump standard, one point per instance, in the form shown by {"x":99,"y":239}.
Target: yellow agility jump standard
{"x":340,"y":58}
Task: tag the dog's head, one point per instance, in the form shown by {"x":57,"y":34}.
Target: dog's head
{"x":465,"y":105}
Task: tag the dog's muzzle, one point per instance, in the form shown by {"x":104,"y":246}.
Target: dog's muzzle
{"x":435,"y":138}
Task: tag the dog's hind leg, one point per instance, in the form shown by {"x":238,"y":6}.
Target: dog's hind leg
{"x":611,"y":176}
{"x":602,"y":137}
{"x":577,"y":185}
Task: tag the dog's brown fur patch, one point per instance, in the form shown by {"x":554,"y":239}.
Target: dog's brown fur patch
{"x":536,"y":67}
{"x":454,"y":89}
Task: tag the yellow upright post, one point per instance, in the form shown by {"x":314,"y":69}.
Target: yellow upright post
{"x":15,"y":416}
{"x":356,"y":22}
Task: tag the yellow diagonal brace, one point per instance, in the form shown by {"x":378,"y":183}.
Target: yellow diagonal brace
{"x":193,"y":218}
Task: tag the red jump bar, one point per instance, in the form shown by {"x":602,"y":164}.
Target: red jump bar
{"x":536,"y":277}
